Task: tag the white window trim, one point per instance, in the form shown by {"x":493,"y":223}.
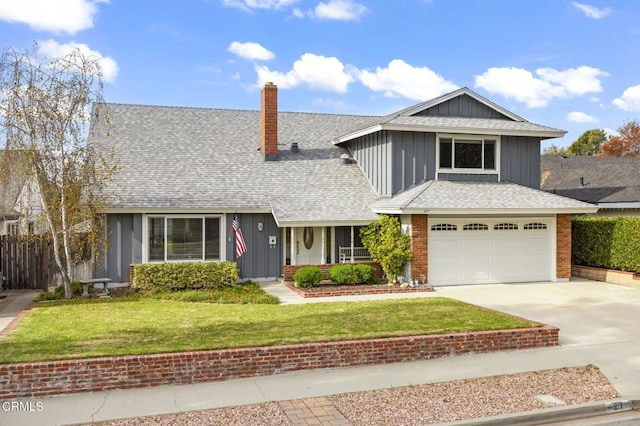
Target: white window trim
{"x":145,"y":236}
{"x":482,"y":138}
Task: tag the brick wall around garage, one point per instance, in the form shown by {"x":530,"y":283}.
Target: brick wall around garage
{"x":420,"y":247}
{"x":99,"y":374}
{"x":563,"y":243}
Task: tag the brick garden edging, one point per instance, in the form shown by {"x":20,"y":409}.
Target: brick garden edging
{"x":607,"y":275}
{"x":353,"y":290}
{"x":40,"y":379}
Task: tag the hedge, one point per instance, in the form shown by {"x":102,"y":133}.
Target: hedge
{"x":185,"y":275}
{"x":606,"y":242}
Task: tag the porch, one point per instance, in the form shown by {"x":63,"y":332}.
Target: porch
{"x":320,"y":245}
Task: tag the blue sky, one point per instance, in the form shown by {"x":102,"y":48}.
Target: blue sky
{"x":573,"y":65}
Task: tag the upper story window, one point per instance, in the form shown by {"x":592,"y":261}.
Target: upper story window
{"x":468,"y":154}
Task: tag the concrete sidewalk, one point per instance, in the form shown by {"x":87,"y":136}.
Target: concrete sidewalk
{"x":598,"y":324}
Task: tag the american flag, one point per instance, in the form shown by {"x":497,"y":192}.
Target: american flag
{"x":241,"y":247}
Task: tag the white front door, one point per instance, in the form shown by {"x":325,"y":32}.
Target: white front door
{"x":490,"y":250}
{"x":309,"y":246}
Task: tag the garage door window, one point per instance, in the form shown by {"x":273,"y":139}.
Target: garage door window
{"x":475,"y":227}
{"x":444,"y":227}
{"x":535,"y":226}
{"x":505,"y":227}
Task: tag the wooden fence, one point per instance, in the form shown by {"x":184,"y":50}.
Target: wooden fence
{"x":28,"y":263}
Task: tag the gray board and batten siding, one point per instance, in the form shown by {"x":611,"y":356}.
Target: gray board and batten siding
{"x":124,"y":237}
{"x":462,"y":106}
{"x":394,"y":161}
{"x":261,"y":259}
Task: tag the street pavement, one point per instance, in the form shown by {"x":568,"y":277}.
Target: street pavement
{"x":598,"y":325}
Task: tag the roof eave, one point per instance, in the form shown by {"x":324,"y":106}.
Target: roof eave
{"x":544,"y":134}
{"x":470,"y":211}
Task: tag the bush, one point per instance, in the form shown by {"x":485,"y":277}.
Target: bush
{"x":185,"y":275}
{"x":366,"y":274}
{"x":388,"y":245}
{"x":606,"y":242}
{"x":343,"y":274}
{"x":348,"y":274}
{"x":308,"y":276}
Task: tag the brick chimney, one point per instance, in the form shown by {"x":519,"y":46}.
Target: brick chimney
{"x":269,"y":121}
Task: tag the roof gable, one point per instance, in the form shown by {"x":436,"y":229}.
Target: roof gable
{"x":461,"y":111}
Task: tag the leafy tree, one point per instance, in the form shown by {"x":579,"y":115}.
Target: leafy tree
{"x":625,"y":145}
{"x":554,"y":149}
{"x":45,"y":114}
{"x":589,"y":143}
{"x":387,"y":245}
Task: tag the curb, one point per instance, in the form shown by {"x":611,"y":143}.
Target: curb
{"x":555,"y":414}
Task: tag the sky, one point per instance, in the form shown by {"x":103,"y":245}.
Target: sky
{"x":573,"y":65}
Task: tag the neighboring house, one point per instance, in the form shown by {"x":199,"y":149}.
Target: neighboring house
{"x":19,"y":198}
{"x":612,"y":183}
{"x":461,"y":172}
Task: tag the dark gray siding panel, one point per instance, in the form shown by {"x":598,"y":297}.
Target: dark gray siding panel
{"x":467,"y":177}
{"x":463,"y":106}
{"x":520,"y":160}
{"x":124,"y":235}
{"x":261,"y":260}
{"x":413,"y":158}
{"x":374,"y":156}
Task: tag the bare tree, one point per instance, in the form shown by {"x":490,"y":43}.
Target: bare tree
{"x":45,"y":112}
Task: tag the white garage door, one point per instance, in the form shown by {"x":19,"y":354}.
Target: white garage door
{"x":490,"y":250}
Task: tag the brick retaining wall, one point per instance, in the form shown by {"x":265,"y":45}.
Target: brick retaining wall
{"x":354,"y":290}
{"x":607,"y":275}
{"x":84,"y":375}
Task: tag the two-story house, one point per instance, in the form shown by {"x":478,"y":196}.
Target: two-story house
{"x":461,"y":172}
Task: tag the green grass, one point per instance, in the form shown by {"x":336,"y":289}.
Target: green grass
{"x":247,"y":293}
{"x":95,"y":328}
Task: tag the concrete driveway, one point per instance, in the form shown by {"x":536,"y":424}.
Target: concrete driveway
{"x":599,"y":322}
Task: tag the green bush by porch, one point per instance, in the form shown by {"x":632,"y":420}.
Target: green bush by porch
{"x":308,"y":276}
{"x":99,"y":327}
{"x":348,"y":274}
{"x":185,"y":275}
{"x":606,"y":242}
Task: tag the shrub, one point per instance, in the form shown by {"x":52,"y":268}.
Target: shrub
{"x":387,"y":245}
{"x":308,"y":276}
{"x":185,"y":275}
{"x":606,"y":242}
{"x":343,"y":274}
{"x":366,"y":274}
{"x":347,"y":274}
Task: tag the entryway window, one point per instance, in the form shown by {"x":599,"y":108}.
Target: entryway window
{"x":180,"y":238}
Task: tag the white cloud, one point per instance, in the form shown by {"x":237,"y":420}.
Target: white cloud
{"x":548,"y":83}
{"x":402,"y":79}
{"x":69,"y":16}
{"x":591,"y":11}
{"x":52,"y":49}
{"x":315,"y":71}
{"x":339,"y":10}
{"x":581,"y":117}
{"x":251,"y":51}
{"x":249,"y":5}
{"x":630,"y":99}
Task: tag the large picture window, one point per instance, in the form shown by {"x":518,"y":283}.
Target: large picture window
{"x":461,"y":153}
{"x":173,"y":238}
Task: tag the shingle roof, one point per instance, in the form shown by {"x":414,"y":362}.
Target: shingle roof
{"x":592,"y":179}
{"x":195,"y":158}
{"x":478,"y":198}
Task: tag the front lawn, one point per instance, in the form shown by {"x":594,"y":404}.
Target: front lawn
{"x":95,"y":328}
